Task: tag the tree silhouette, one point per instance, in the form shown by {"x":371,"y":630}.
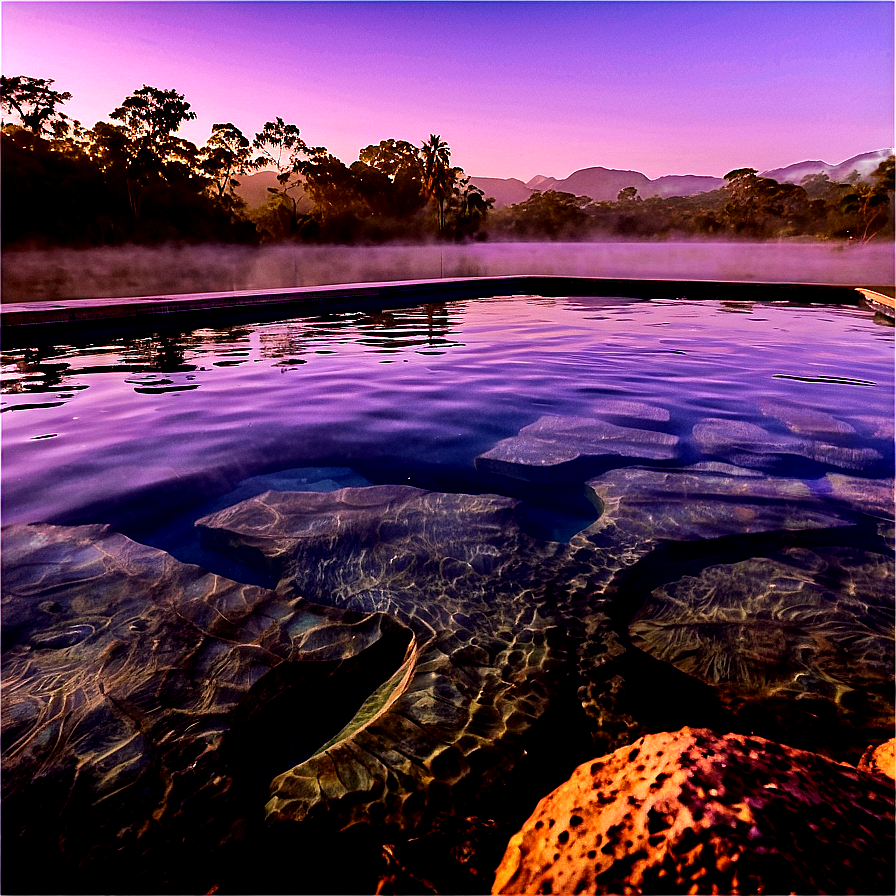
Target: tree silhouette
{"x":281,"y":147}
{"x":438,"y":175}
{"x":226,"y":154}
{"x":870,"y":202}
{"x":34,"y":101}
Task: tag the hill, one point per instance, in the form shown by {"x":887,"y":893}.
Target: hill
{"x":603,"y":184}
{"x":505,"y":191}
{"x":864,"y":164}
{"x":253,"y":188}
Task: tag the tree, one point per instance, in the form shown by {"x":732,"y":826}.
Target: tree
{"x":34,"y":101}
{"x":150,"y":116}
{"x":628,"y":194}
{"x":551,"y":214}
{"x":870,"y":203}
{"x":281,"y":147}
{"x":144,"y":144}
{"x":402,"y":163}
{"x":438,"y":175}
{"x":467,"y":208}
{"x":227,"y":153}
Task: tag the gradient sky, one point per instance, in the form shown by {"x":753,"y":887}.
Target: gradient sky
{"x":516,"y":89}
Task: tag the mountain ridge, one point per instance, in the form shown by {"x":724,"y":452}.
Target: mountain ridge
{"x":601,"y":184}
{"x":604,"y":184}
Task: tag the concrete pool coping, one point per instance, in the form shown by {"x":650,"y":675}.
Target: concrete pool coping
{"x":143,"y":311}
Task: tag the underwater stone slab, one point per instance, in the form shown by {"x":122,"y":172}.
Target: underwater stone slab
{"x":698,"y":812}
{"x":872,"y":496}
{"x":769,"y":632}
{"x":707,"y":500}
{"x":634,"y":410}
{"x":542,"y":451}
{"x":125,"y":676}
{"x":643,"y":508}
{"x":805,"y":420}
{"x":748,"y":445}
{"x":476,"y":590}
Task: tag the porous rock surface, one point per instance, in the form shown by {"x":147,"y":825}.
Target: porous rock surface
{"x":696,"y":812}
{"x":880,"y":759}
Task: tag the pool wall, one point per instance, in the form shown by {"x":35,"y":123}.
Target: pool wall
{"x":46,"y":318}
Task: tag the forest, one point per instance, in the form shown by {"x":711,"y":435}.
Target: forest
{"x":132,"y":180}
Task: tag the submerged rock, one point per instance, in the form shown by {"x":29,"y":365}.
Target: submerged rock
{"x":749,"y":445}
{"x":553,"y":448}
{"x":770,"y":633}
{"x":145,"y":701}
{"x":804,"y":420}
{"x":697,"y":812}
{"x":478,"y":593}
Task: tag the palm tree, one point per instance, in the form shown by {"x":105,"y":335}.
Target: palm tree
{"x":438,"y":176}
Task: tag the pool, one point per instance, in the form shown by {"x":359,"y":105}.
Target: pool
{"x":493,"y":536}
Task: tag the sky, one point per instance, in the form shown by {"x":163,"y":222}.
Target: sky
{"x":516,"y":89}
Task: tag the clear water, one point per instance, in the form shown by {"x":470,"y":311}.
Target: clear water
{"x":138,"y":432}
{"x":792,"y":632}
{"x":140,"y":429}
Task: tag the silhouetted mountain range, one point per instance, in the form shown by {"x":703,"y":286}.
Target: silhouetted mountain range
{"x":603,"y":184}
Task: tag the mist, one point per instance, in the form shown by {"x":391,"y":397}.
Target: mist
{"x":36,"y":275}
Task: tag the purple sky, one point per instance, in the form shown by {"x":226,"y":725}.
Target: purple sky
{"x":517,"y":89}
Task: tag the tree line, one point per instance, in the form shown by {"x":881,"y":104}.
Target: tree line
{"x":132,"y":179}
{"x":748,"y":206}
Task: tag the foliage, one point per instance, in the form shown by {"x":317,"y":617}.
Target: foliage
{"x":34,"y":101}
{"x":551,"y":214}
{"x":133,"y":179}
{"x":226,"y":154}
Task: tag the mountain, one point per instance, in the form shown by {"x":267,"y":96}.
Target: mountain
{"x":253,"y":189}
{"x":605,"y":183}
{"x":681,"y":185}
{"x":599,"y":183}
{"x":505,"y":191}
{"x":864,"y":163}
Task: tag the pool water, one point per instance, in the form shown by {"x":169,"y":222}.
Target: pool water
{"x":701,"y":491}
{"x":130,"y":431}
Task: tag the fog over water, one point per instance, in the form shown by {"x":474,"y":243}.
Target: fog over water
{"x":34,"y":275}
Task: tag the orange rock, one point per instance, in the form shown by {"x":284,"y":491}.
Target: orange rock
{"x":880,"y":759}
{"x":696,"y":812}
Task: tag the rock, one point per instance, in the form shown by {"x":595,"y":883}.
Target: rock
{"x":633,"y":410}
{"x":769,"y":632}
{"x":479,"y":595}
{"x":749,"y":445}
{"x":804,"y":420}
{"x":147,"y":704}
{"x":697,"y":812}
{"x":709,"y":500}
{"x":871,"y":496}
{"x":880,"y":759}
{"x":554,"y":448}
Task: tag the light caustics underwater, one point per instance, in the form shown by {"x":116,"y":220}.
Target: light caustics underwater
{"x":374,"y":568}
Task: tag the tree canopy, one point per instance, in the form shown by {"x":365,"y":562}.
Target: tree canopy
{"x":132,"y":178}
